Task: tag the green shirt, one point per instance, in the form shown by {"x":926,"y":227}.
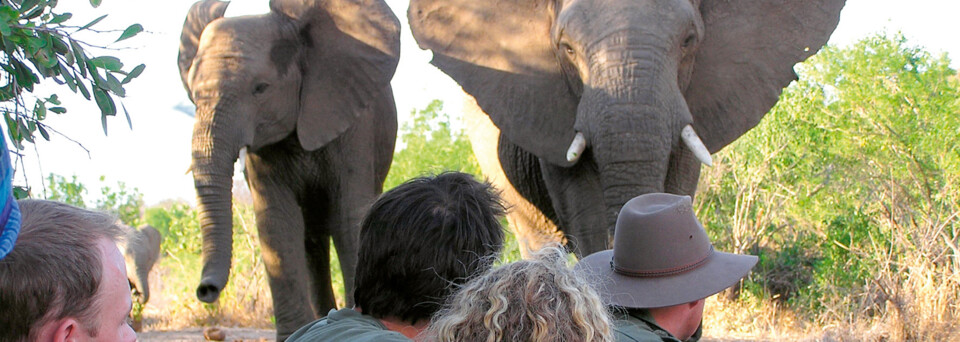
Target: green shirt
{"x":639,"y":326}
{"x":346,"y":325}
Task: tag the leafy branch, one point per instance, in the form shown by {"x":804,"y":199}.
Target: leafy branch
{"x":37,"y":43}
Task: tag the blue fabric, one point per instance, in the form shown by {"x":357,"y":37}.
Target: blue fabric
{"x":9,"y":211}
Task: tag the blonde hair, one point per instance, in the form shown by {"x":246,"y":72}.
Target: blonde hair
{"x":541,"y":299}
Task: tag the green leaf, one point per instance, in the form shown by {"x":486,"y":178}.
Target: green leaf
{"x":5,"y":28}
{"x":59,"y":18}
{"x":68,"y":78}
{"x":58,"y":110}
{"x":107,"y":62}
{"x":54,"y":99}
{"x":133,"y":74}
{"x":27,"y":5}
{"x":33,"y":14}
{"x":25,"y":132}
{"x":81,"y":58}
{"x":105,"y":102}
{"x":83,"y":90}
{"x":20,"y":192}
{"x":131,"y":31}
{"x":59,"y":46}
{"x":94,"y":22}
{"x":95,"y":3}
{"x":127,"y":114}
{"x":40,"y":112}
{"x":103,"y":122}
{"x":43,"y":132}
{"x":113,"y":84}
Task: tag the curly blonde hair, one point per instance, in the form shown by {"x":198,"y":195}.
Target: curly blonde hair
{"x":541,"y":299}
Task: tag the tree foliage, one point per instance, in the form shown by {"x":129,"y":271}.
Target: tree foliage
{"x":849,"y":184}
{"x":428,"y":144}
{"x":126,"y":204}
{"x":38,"y":44}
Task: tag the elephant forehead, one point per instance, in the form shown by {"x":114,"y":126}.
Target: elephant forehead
{"x":240,"y":32}
{"x":621,"y":14}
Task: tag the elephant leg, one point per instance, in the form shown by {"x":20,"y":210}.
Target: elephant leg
{"x":316,"y":217}
{"x":346,"y":237}
{"x":577,"y":197}
{"x":281,"y":229}
{"x":532,"y":228}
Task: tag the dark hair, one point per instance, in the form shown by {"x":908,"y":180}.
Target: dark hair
{"x":54,"y":270}
{"x":422,"y":237}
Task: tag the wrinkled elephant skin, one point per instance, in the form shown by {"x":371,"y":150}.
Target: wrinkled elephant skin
{"x":306,"y":90}
{"x":598,"y":101}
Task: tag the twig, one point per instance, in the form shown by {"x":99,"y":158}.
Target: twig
{"x":67,"y":137}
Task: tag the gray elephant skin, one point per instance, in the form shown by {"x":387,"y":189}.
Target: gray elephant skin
{"x":141,"y":249}
{"x":306,"y":89}
{"x":591,"y":97}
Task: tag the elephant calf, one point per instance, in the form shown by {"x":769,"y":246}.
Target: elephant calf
{"x":141,"y":249}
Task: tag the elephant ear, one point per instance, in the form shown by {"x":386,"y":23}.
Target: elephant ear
{"x":352,"y":50}
{"x":200,"y":14}
{"x":746,"y":58}
{"x":501,"y":53}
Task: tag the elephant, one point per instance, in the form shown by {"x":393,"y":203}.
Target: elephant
{"x":306,"y":90}
{"x":595,"y":102}
{"x":141,"y":249}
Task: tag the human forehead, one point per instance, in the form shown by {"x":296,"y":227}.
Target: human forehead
{"x":111,"y":258}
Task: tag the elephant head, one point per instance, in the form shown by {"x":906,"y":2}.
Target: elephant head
{"x":304,"y":68}
{"x":141,"y":249}
{"x":640,"y":89}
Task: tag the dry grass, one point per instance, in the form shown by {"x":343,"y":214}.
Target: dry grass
{"x":245,"y":302}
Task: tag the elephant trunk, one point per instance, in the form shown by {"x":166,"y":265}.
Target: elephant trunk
{"x":215,"y":150}
{"x":143,"y":285}
{"x":634,"y":113}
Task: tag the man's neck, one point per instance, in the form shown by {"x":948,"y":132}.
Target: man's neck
{"x":410,"y":330}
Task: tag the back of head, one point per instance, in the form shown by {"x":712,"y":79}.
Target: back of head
{"x":420,"y":238}
{"x":529,"y":300}
{"x":54,"y":270}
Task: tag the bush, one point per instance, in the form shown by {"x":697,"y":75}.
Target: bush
{"x":852,"y":180}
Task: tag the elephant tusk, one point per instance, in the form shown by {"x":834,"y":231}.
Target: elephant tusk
{"x":576,"y":148}
{"x":696,"y":145}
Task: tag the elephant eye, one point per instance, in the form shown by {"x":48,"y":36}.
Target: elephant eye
{"x":260,"y":88}
{"x":567,"y":49}
{"x":689,"y":41}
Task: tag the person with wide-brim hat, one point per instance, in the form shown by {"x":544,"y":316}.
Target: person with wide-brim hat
{"x":660,"y":270}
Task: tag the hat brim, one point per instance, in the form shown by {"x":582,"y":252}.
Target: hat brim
{"x":720,"y":271}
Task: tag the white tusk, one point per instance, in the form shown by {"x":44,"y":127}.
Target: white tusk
{"x":576,"y":148}
{"x":694,"y":144}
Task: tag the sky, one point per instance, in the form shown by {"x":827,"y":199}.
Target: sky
{"x":154,"y":155}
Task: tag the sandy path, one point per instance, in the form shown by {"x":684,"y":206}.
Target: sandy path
{"x":196,"y":334}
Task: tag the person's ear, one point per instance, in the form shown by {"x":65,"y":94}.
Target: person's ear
{"x":67,"y":330}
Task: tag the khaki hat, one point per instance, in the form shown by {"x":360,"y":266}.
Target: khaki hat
{"x":661,"y":257}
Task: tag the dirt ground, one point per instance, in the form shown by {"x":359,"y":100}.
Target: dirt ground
{"x":256,"y":335}
{"x":196,"y":334}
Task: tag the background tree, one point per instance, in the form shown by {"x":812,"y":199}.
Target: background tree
{"x":38,"y":44}
{"x":429,"y":144}
{"x":848,"y":192}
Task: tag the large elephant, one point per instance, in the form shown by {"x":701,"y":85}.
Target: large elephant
{"x":306,"y":89}
{"x":598,"y":101}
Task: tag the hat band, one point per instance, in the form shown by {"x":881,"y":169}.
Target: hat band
{"x":661,"y":272}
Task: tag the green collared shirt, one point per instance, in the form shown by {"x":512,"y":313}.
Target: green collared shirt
{"x":639,"y":326}
{"x":346,"y":325}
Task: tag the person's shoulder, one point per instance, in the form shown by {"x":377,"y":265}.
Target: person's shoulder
{"x":627,"y":328}
{"x":346,"y":325}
